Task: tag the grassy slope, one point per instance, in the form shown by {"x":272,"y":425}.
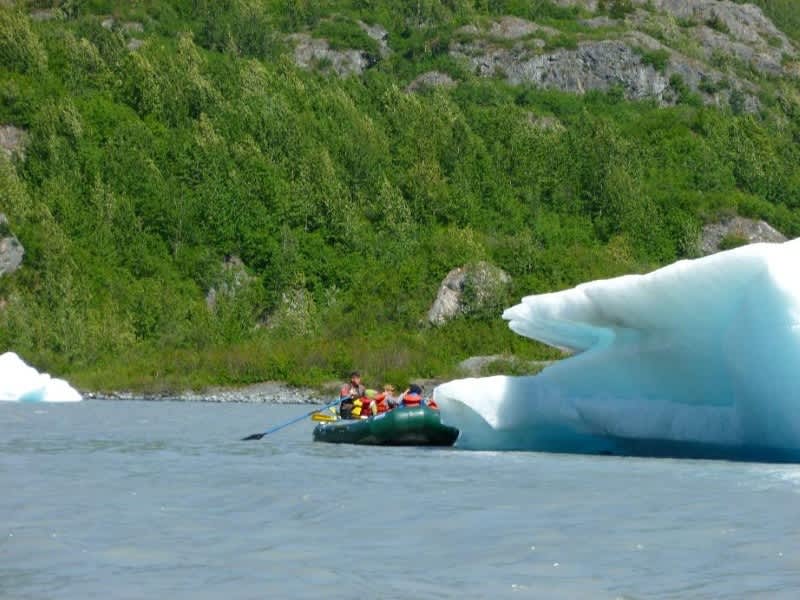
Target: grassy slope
{"x":347,"y":199}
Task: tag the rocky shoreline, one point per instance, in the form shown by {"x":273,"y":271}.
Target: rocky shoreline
{"x":260,"y":393}
{"x":276,"y":392}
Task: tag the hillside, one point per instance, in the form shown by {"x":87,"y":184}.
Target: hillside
{"x":231,"y":191}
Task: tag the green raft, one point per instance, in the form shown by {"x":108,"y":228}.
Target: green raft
{"x":416,"y":426}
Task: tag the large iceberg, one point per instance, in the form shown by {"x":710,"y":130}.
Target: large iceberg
{"x":699,"y":358}
{"x":22,"y":383}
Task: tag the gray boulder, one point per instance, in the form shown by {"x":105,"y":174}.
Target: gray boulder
{"x":12,"y":141}
{"x":431,"y":79}
{"x":737,"y":231}
{"x":313,"y":52}
{"x":469,"y":289}
{"x":11,"y":251}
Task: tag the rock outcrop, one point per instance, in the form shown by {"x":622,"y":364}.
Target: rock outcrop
{"x":233,"y":277}
{"x":431,"y":79}
{"x":313,"y":52}
{"x":469,"y":289}
{"x":12,"y":141}
{"x":11,"y":251}
{"x":592,"y":66}
{"x":736,"y":231}
{"x":707,"y":47}
{"x":380,"y":35}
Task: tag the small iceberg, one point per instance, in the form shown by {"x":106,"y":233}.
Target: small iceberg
{"x":699,"y":358}
{"x":22,"y":383}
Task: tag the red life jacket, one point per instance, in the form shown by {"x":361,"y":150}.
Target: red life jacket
{"x":362,"y":407}
{"x":381,"y":404}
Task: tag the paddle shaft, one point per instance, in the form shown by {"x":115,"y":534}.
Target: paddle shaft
{"x":258,"y":436}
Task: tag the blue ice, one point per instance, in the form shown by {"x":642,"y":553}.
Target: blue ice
{"x":699,"y":358}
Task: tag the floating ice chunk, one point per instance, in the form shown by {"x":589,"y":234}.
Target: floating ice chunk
{"x":22,"y":383}
{"x":701,"y":357}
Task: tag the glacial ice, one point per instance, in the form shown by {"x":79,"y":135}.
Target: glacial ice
{"x":700,"y":358}
{"x":22,"y":383}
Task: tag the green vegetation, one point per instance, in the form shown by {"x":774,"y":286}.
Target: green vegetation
{"x":348,"y":200}
{"x":733,"y":240}
{"x":658,"y":59}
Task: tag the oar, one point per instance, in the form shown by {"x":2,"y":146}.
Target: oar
{"x":323,"y":418}
{"x":258,"y":436}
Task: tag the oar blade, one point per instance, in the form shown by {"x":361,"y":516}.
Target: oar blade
{"x":255,"y":436}
{"x":323,"y":418}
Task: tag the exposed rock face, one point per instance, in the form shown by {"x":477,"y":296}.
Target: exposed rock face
{"x":310,"y":52}
{"x":12,"y":140}
{"x":11,"y":251}
{"x":380,"y":35}
{"x":724,"y":30}
{"x":740,"y":229}
{"x":233,"y":277}
{"x":606,"y":64}
{"x":592,"y":66}
{"x":468,"y":289}
{"x":511,"y":28}
{"x":711,"y":44}
{"x":429,"y":80}
{"x":744,"y":22}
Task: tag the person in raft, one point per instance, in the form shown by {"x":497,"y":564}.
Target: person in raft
{"x":413,"y":397}
{"x":388,"y":398}
{"x":351,"y":391}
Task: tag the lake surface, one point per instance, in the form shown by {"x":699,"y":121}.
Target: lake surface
{"x":113,"y":499}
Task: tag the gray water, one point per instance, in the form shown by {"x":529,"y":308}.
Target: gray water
{"x":160,"y":500}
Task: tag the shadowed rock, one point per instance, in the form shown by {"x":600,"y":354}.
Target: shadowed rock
{"x":468,"y":289}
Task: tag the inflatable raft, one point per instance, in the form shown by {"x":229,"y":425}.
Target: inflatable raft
{"x":405,"y":426}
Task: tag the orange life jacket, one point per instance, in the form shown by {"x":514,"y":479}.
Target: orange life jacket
{"x":412,"y":399}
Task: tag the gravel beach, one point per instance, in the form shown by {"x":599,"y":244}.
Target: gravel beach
{"x":267,"y":392}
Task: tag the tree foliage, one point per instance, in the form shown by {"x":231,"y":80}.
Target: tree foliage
{"x":347,"y":200}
